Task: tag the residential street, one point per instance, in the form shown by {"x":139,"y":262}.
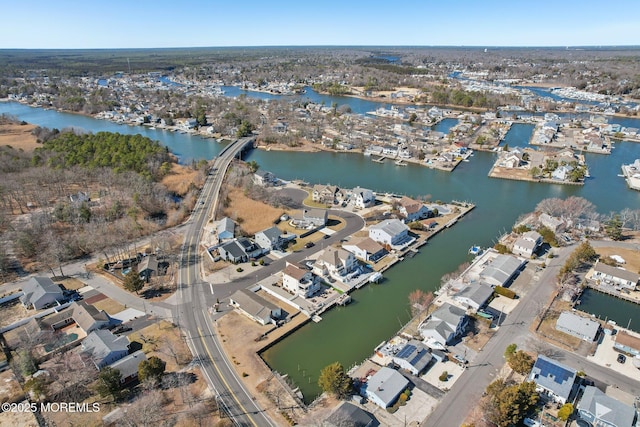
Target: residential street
{"x":468,"y":390}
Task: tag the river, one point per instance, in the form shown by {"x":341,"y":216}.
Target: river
{"x":349,"y":334}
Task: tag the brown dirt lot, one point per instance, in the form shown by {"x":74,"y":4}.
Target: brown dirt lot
{"x":165,"y":341}
{"x":243,"y":349}
{"x":72,"y":283}
{"x":509,"y":173}
{"x":18,"y":136}
{"x":253,"y":216}
{"x":632,"y":257}
{"x":548,"y":329}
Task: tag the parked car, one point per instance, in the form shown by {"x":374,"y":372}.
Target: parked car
{"x":309,"y":245}
{"x":621,"y":358}
{"x":460,"y":359}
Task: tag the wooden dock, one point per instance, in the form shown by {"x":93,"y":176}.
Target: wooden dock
{"x":379,"y":160}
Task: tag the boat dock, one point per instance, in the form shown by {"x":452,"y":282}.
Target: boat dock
{"x":631,"y":174}
{"x":381,"y":159}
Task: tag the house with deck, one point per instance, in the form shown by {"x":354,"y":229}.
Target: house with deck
{"x":391,"y":232}
{"x":264,"y":178}
{"x":413,"y":210}
{"x":366,"y":249}
{"x":299,"y":282}
{"x":362,"y":198}
{"x":618,"y":277}
{"x":474,"y":295}
{"x":335,"y":262}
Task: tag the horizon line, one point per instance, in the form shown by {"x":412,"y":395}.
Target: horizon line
{"x":333,"y":46}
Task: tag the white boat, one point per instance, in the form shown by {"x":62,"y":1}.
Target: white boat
{"x":475,"y":250}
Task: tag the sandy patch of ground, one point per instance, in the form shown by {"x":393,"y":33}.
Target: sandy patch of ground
{"x":12,"y":312}
{"x":547,"y":328}
{"x":251,"y":215}
{"x":256,"y":375}
{"x":510,"y":173}
{"x":164,"y":341}
{"x":10,"y":390}
{"x":18,"y":136}
{"x":631,"y":256}
{"x":180,"y":179}
{"x":23,"y":419}
{"x":71,"y":283}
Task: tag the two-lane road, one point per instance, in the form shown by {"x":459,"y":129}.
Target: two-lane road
{"x":192,"y":310}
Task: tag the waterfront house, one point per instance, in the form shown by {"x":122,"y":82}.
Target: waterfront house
{"x":335,"y":262}
{"x":413,"y":210}
{"x":413,"y":357}
{"x":553,"y":379}
{"x":501,"y":270}
{"x":270,"y":239}
{"x":263,"y":178}
{"x":327,"y":194}
{"x":384,"y":387}
{"x":366,"y":249}
{"x":255,"y":307}
{"x":226,"y":229}
{"x":444,"y":325}
{"x":474,"y":295}
{"x":392,"y":232}
{"x":578,"y":326}
{"x":598,"y":409}
{"x":527,"y":244}
{"x":348,"y":414}
{"x":618,"y":277}
{"x":511,"y":160}
{"x":104,"y":348}
{"x":39,"y":292}
{"x":250,"y":248}
{"x":128,"y":366}
{"x":562,"y":172}
{"x":362,"y":198}
{"x":556,"y":225}
{"x":299,"y":282}
{"x":627,"y":343}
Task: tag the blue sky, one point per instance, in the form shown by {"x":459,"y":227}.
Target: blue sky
{"x":160,"y":23}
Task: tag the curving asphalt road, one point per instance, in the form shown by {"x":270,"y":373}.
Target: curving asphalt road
{"x":195,"y":297}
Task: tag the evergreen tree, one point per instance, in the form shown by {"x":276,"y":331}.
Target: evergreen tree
{"x":334,"y":380}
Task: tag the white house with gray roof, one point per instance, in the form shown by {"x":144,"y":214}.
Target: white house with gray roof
{"x":615,"y":276}
{"x":384,"y":387}
{"x":299,"y":282}
{"x":527,"y":244}
{"x":445,"y":324}
{"x":270,"y":239}
{"x":366,"y":249}
{"x":335,"y":262}
{"x":474,"y":295}
{"x":392,"y":232}
{"x":414,"y":357}
{"x":39,"y":292}
{"x":578,"y":326}
{"x":362,"y":198}
{"x":255,"y":307}
{"x":128,"y":366}
{"x":105,"y":348}
{"x":501,"y":270}
{"x":598,"y":409}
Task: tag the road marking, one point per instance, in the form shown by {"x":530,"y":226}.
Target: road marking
{"x":215,"y":365}
{"x":211,"y":287}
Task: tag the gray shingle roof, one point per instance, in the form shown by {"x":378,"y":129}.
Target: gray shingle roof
{"x":101,"y":343}
{"x":391,"y":226}
{"x":605,"y":408}
{"x":387,"y":384}
{"x":449,"y":313}
{"x":37,"y":287}
{"x":577,"y":325}
{"x":128,"y":366}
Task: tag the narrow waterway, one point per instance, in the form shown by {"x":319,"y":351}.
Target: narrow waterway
{"x":349,"y":334}
{"x":607,"y":307}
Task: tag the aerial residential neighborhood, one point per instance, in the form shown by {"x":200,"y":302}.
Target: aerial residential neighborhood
{"x":380,"y":223}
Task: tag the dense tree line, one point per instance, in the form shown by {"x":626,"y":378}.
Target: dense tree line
{"x":106,"y":150}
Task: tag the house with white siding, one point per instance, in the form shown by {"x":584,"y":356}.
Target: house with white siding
{"x":527,"y":244}
{"x":335,"y":262}
{"x":615,"y":276}
{"x":366,"y":249}
{"x":299,"y":282}
{"x":392,"y":232}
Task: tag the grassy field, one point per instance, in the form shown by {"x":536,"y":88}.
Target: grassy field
{"x":72,"y":284}
{"x":18,"y":136}
{"x":110,"y":306}
{"x":181,"y":178}
{"x":164,"y":341}
{"x":632,"y":257}
{"x":253,"y":216}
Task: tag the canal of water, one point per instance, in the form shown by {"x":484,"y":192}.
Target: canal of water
{"x":349,"y":334}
